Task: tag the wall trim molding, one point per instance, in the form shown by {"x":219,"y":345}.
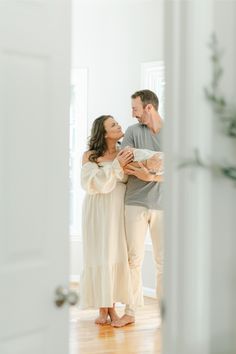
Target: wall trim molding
{"x":74,"y":278}
{"x":149,"y":292}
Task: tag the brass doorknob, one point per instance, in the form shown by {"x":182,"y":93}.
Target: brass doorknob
{"x":63,"y":295}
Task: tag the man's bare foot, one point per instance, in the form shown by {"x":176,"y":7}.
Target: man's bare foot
{"x":102,"y":318}
{"x":113,"y":315}
{"x":123,"y":321}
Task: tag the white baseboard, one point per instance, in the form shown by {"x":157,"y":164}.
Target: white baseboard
{"x":149,"y":292}
{"x":74,"y":278}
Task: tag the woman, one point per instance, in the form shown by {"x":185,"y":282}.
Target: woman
{"x":106,"y":278}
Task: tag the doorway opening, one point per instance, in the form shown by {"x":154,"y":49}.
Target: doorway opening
{"x":112,"y":57}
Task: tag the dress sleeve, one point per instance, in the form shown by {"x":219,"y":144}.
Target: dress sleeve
{"x":101,"y":179}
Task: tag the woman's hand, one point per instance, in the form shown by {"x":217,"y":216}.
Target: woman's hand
{"x":124,"y":157}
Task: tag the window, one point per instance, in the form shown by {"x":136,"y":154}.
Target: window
{"x":153,"y":78}
{"x":78,"y":142}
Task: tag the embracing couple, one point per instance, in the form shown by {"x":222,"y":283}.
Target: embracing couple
{"x":123,"y":199}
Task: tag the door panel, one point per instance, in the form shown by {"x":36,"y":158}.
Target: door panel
{"x":34,"y":143}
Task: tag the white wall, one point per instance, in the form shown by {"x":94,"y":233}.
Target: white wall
{"x":112,"y":38}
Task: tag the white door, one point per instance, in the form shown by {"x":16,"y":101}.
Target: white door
{"x":200,"y":286}
{"x":34,"y":112}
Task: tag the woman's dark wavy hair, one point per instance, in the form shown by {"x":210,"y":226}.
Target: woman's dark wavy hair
{"x":97,"y":142}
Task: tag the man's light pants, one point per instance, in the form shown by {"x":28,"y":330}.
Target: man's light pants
{"x":137,"y":221}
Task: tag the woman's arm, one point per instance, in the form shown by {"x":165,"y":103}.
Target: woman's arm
{"x":143,"y":173}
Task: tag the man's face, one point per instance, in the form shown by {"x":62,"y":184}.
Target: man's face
{"x":138,"y":111}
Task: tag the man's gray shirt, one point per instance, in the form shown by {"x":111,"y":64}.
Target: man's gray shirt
{"x":141,"y":193}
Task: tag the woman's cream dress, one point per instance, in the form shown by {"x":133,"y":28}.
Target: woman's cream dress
{"x":106,"y":276}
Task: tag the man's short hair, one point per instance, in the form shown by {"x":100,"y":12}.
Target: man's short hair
{"x":147,"y":97}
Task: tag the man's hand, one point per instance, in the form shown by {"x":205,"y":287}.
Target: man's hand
{"x":142,"y":173}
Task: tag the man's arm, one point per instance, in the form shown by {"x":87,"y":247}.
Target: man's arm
{"x":142,"y":173}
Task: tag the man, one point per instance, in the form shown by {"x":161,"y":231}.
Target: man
{"x":143,"y":199}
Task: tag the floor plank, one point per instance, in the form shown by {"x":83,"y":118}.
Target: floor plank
{"x":142,"y":337}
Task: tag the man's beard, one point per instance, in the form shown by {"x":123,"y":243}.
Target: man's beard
{"x":140,"y":120}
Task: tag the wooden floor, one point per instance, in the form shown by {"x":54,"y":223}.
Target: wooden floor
{"x":142,"y":337}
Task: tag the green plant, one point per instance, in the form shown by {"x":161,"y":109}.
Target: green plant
{"x":224,"y":111}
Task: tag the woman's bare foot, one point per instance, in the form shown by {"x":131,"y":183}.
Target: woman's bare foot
{"x":113,"y":315}
{"x":103,"y":314}
{"x":123,"y":321}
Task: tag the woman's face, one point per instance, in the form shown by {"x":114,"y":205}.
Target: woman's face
{"x":113,"y":129}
